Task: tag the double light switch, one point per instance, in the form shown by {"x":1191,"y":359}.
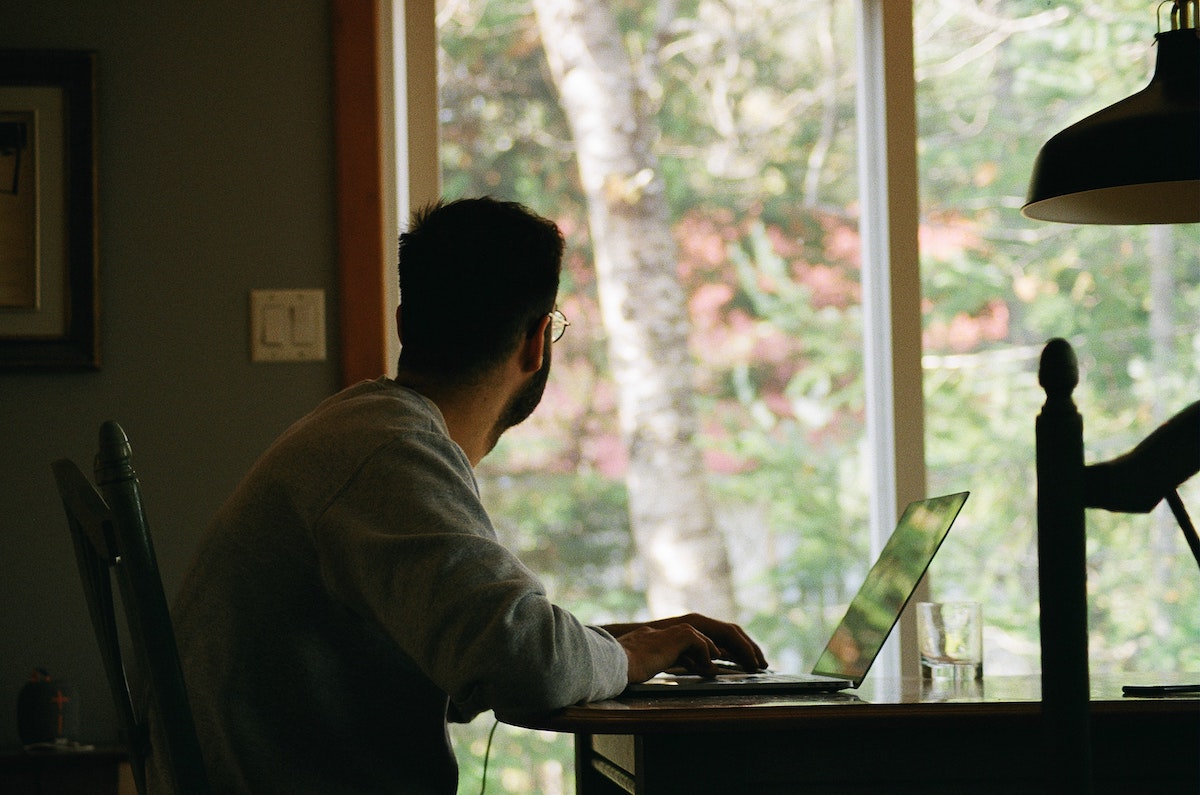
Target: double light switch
{"x":287,"y":325}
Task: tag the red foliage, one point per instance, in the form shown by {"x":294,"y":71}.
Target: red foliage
{"x":966,"y":332}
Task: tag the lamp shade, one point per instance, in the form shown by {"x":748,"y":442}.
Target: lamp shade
{"x":1135,"y":162}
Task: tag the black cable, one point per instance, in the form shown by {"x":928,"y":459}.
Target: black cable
{"x":486,"y":756}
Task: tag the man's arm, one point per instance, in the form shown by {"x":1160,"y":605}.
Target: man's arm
{"x":408,"y":546}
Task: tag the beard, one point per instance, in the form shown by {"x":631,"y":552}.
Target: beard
{"x":524,"y":401}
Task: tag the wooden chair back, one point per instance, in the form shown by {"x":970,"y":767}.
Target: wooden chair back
{"x":112,"y":541}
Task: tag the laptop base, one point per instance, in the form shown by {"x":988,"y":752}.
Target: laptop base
{"x":737,"y":683}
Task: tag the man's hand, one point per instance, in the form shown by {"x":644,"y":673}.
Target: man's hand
{"x":691,"y":642}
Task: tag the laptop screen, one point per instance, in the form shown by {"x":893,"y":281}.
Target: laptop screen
{"x":876,"y":607}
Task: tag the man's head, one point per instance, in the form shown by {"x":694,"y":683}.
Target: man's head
{"x":477,"y":277}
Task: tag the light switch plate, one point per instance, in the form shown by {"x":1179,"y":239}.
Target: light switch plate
{"x":287,"y":325}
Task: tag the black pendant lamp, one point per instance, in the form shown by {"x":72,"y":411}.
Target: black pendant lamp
{"x":1138,"y":161}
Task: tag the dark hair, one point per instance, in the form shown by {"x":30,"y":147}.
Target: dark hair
{"x":476,"y":276}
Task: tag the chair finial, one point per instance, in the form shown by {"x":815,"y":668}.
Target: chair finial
{"x":1058,"y":370}
{"x":112,"y":459}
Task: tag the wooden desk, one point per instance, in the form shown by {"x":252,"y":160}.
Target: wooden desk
{"x":889,"y":737}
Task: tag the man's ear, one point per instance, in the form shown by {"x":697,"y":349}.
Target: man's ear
{"x":533,"y":349}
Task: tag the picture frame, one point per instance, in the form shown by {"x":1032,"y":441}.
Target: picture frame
{"x":49,"y":298}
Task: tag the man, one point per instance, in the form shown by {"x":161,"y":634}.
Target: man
{"x":351,"y":596}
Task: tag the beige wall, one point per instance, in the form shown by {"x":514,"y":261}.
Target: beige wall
{"x":216,"y":177}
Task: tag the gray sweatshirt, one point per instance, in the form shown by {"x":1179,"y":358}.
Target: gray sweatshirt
{"x":351,"y":596}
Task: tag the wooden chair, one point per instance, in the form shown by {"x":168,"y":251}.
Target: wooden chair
{"x":1135,"y":482}
{"x":112,"y":540}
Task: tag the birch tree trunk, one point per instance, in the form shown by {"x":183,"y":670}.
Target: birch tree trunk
{"x":643,"y":306}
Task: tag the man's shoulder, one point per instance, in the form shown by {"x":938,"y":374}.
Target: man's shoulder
{"x":375,"y":421}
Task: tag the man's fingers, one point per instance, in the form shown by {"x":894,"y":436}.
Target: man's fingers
{"x":652,"y":650}
{"x":699,"y":652}
{"x":735,"y":645}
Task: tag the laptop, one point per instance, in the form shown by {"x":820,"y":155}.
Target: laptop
{"x":860,"y":635}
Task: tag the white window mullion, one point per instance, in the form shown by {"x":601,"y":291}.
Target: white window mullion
{"x":409,"y":27}
{"x":891,"y":283}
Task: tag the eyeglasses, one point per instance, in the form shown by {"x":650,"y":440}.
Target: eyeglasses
{"x":558,"y":325}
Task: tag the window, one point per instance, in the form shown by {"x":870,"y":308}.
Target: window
{"x":736,"y":142}
{"x":997,"y":286}
{"x":746,"y":107}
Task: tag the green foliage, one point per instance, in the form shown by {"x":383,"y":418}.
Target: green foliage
{"x":518,"y":760}
{"x":574,"y":530}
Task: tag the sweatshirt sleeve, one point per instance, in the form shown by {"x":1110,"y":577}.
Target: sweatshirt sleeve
{"x":407,"y":543}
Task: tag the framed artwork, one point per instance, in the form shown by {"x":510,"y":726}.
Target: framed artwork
{"x":49,"y":309}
